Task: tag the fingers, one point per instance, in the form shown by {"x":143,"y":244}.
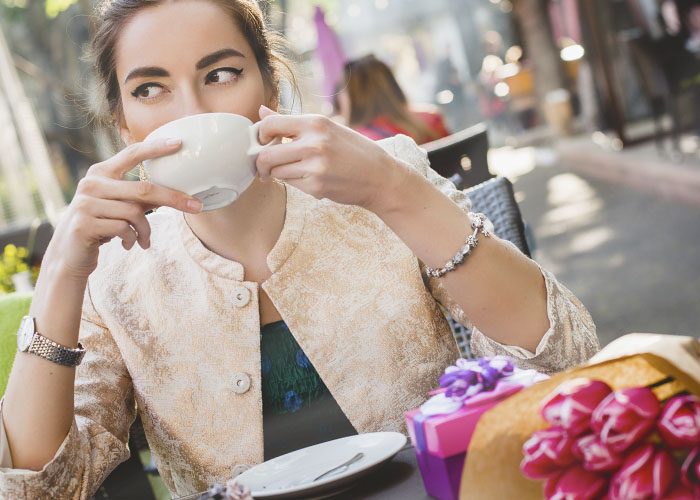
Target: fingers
{"x":276,"y":125}
{"x":145,"y":193}
{"x":132,"y":155}
{"x":106,"y":229}
{"x":279,"y":154}
{"x":265,"y":111}
{"x":131,"y":213}
{"x":290,"y":172}
{"x":307,"y":185}
{"x":92,"y":231}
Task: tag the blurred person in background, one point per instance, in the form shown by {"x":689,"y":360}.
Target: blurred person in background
{"x":371,"y":102}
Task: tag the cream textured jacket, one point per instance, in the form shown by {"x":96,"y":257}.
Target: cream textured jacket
{"x":174,"y":331}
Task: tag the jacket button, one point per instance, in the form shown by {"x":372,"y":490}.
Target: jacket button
{"x":241,"y":383}
{"x":241,"y":297}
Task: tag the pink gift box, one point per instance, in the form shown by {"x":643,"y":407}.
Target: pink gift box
{"x":447,"y":435}
{"x":441,"y":441}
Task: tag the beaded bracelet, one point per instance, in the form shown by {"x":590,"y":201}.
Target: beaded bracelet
{"x":479,"y":225}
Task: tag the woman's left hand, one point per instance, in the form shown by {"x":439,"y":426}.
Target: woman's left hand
{"x":327,"y":160}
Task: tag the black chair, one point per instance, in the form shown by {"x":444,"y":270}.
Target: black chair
{"x":129,"y":480}
{"x":35,"y":237}
{"x":494,"y":198}
{"x":464,"y":153}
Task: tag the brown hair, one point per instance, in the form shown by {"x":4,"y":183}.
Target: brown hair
{"x":374,"y":92}
{"x":267,"y":45}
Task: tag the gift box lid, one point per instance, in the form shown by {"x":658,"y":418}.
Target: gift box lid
{"x":449,"y":434}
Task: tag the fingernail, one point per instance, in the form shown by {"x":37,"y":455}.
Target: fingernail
{"x":194,"y":204}
{"x":173,"y":142}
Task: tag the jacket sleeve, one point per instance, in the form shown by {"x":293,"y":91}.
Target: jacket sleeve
{"x":97,"y":440}
{"x":571,"y":338}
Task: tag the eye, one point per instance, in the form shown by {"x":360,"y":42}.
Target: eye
{"x":147,"y":91}
{"x":224,"y":75}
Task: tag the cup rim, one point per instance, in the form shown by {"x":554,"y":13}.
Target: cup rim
{"x":201,"y":116}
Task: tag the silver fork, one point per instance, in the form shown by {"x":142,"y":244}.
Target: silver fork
{"x":341,"y":467}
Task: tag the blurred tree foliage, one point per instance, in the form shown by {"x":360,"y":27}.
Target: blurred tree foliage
{"x":13,"y":260}
{"x":55,"y":7}
{"x":47,"y":39}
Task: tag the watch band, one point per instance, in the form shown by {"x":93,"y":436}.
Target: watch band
{"x":48,"y":349}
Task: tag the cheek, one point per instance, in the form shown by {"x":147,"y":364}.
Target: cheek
{"x":246,"y":99}
{"x":141,"y":121}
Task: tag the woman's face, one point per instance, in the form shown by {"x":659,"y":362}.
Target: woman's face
{"x":182,"y":58}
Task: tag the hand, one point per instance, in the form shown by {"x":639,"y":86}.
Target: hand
{"x":326,"y":160}
{"x":105,"y":206}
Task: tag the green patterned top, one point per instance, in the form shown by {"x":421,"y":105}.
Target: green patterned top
{"x":298,"y":408}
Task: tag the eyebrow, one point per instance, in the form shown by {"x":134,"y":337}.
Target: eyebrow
{"x":155,"y":71}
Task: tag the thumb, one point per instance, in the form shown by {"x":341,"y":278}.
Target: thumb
{"x":265,"y":111}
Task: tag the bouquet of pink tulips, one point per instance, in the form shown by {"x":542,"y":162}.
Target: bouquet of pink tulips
{"x":622,"y":444}
{"x":626,"y":425}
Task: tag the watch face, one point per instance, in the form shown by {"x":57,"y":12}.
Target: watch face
{"x":25,"y":333}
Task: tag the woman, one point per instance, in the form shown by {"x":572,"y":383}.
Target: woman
{"x":325,"y":250}
{"x":372,"y":102}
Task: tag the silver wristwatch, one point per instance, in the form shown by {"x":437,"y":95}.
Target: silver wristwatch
{"x":31,"y":341}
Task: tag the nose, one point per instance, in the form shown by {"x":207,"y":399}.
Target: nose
{"x":193,"y":103}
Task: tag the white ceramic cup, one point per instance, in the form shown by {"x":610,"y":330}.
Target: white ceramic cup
{"x":216,"y":161}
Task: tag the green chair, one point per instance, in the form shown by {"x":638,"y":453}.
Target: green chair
{"x":12,"y":307}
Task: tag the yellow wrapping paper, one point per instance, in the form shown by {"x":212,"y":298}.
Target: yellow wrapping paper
{"x":492,"y":468}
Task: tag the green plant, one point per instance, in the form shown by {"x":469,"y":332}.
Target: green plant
{"x":12,"y":261}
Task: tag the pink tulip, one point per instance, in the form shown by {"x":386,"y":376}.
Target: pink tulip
{"x":575,"y":483}
{"x":594,"y":455}
{"x":571,"y":404}
{"x":690,"y":471}
{"x":624,"y":417}
{"x":547,"y":452}
{"x":646,"y":473}
{"x":679,"y":425}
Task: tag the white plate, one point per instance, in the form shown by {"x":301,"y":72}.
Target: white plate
{"x":291,"y":475}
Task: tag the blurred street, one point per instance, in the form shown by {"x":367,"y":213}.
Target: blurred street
{"x":630,"y":256}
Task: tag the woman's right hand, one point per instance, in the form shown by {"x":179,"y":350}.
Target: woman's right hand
{"x":105,"y":206}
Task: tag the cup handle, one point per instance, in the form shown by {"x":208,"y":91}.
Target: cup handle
{"x":255,"y":146}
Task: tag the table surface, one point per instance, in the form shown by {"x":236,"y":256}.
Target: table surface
{"x":397,"y":479}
